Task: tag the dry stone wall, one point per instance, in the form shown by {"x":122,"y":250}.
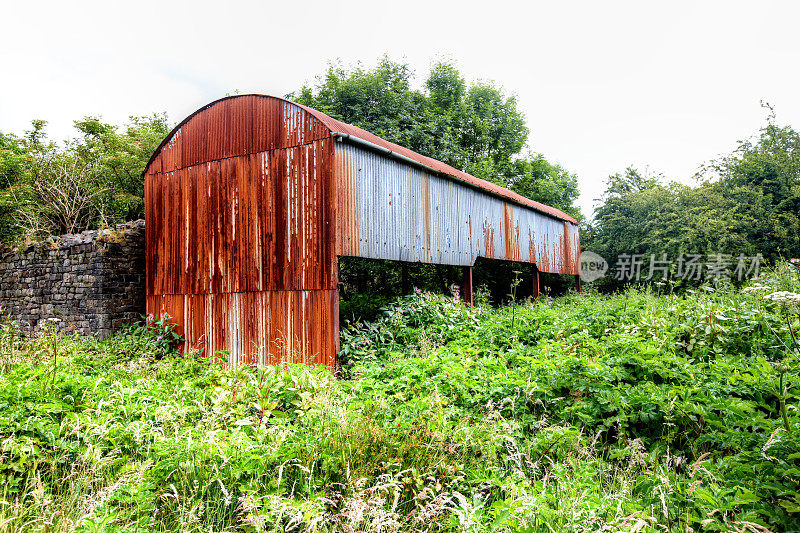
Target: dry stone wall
{"x":89,"y":283}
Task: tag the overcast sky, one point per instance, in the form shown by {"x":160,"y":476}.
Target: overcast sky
{"x":603,"y":85}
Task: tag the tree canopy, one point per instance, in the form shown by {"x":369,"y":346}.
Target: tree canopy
{"x":474,"y":127}
{"x":47,"y":188}
{"x":746,"y":202}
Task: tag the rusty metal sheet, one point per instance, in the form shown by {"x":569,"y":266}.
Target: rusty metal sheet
{"x":266,"y":327}
{"x":241,"y":232}
{"x":237,"y":126}
{"x":246,"y":223}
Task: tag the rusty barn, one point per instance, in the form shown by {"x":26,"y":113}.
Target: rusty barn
{"x":251,"y":200}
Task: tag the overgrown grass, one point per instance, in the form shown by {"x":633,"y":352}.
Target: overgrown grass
{"x":634,"y":412}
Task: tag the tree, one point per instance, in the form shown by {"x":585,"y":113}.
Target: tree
{"x":747,"y":202}
{"x":535,"y":177}
{"x":762,"y":180}
{"x":15,"y":162}
{"x":61,"y":195}
{"x":474,"y":127}
{"x":379,"y":100}
{"x":493,"y":132}
{"x":94,"y":179}
{"x":120,"y":159}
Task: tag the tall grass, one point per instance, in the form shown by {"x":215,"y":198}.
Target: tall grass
{"x":633,"y":412}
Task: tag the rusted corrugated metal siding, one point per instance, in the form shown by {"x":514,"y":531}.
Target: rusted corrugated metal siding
{"x":251,"y":199}
{"x":265,"y":327}
{"x":240,"y":232}
{"x":389,"y":209}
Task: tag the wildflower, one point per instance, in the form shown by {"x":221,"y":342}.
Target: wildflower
{"x":456,"y":290}
{"x":150,"y":318}
{"x":417,"y":290}
{"x":789,"y":299}
{"x":754,"y":289}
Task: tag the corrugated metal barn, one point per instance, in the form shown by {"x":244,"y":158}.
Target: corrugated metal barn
{"x":251,"y":200}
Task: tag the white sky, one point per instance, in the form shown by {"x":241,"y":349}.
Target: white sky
{"x":604,"y":85}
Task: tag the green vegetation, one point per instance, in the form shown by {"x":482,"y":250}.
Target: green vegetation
{"x":747,"y":202}
{"x":633,"y":412}
{"x":92,"y":180}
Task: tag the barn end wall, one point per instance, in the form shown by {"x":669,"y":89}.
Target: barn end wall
{"x":89,"y":283}
{"x":240,"y":234}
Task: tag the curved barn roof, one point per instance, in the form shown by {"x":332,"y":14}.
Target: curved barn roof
{"x":339,"y":128}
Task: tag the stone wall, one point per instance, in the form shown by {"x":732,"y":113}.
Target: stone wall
{"x":91,"y":282}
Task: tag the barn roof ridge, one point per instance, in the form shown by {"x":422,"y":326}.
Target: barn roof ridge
{"x":348,"y":131}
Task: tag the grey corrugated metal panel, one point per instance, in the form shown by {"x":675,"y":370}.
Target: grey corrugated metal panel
{"x":462,"y":223}
{"x":419,"y":194}
{"x":374,"y":204}
{"x":446,"y":215}
{"x":389,"y":241}
{"x":405,"y":213}
{"x":478,"y":221}
{"x":434,"y":223}
{"x":551,"y":246}
{"x":438,"y":237}
{"x":494,"y":210}
{"x":378,"y":209}
{"x":441,"y":213}
{"x":525,"y":224}
{"x":365,"y":230}
{"x":479,"y":226}
{"x":415,"y":194}
{"x":405,"y":248}
{"x":499,"y":233}
{"x":403,"y":179}
{"x":473,"y":229}
{"x":478,"y":210}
